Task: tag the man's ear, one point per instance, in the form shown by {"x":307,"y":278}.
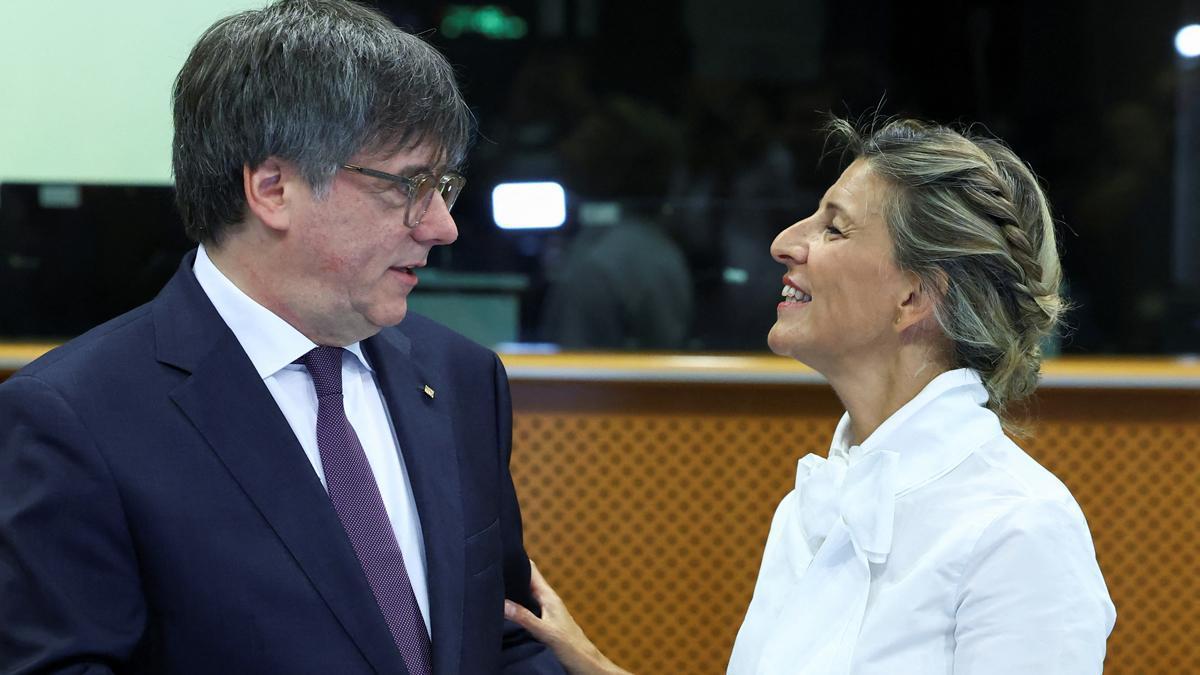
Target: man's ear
{"x":917,"y":307}
{"x":268,"y":188}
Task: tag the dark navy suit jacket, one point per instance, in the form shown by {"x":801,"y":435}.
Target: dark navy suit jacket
{"x":158,"y":515}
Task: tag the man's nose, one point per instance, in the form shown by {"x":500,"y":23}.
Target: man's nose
{"x":437,"y":226}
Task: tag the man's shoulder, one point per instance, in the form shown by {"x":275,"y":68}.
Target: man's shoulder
{"x":112,"y":344}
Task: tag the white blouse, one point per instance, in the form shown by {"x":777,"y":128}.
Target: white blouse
{"x":937,"y":546}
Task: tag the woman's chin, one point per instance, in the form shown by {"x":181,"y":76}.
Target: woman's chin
{"x":783,"y":341}
{"x":788,"y":343}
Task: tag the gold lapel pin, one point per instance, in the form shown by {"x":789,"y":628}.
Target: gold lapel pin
{"x":429,"y":391}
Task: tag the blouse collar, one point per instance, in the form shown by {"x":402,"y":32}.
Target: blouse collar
{"x":933,"y":433}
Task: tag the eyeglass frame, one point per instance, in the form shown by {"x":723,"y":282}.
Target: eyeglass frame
{"x":412,"y":184}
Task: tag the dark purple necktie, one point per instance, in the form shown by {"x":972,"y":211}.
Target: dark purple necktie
{"x":355,"y":496}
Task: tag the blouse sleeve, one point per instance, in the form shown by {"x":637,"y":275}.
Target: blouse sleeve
{"x":1032,"y":599}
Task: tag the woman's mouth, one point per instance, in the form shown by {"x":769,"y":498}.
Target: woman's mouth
{"x":794,"y":296}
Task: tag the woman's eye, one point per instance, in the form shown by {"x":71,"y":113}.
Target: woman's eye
{"x":830,"y":229}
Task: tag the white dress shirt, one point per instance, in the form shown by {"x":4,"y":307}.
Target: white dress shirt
{"x":937,"y":546}
{"x":272,"y":345}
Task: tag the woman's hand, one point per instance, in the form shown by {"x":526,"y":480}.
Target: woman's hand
{"x":558,"y":631}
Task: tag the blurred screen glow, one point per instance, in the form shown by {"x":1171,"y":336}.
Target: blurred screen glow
{"x":1187,"y":41}
{"x":527,"y":206}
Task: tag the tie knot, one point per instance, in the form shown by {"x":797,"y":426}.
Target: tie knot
{"x":324,"y":364}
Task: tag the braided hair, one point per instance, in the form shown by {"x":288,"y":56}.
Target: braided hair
{"x":969,"y":218}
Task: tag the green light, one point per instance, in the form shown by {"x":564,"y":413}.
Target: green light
{"x":490,"y":21}
{"x":456,"y":21}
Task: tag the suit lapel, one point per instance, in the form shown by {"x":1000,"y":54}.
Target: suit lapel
{"x":235,"y":413}
{"x":426,"y":437}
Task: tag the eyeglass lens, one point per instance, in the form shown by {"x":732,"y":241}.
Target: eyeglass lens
{"x":449,"y":186}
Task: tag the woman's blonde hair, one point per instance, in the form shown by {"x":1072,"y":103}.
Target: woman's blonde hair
{"x":970,"y":219}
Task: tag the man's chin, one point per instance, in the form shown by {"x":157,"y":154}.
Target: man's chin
{"x":388,"y":316}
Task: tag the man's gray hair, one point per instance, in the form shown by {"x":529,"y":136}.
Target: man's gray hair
{"x":313,"y":82}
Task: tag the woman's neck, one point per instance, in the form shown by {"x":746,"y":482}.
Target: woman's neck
{"x":873,"y":391}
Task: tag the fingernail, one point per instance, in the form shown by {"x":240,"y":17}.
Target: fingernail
{"x":509,"y":610}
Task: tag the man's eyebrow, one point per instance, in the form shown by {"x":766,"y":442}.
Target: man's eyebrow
{"x":415,"y":169}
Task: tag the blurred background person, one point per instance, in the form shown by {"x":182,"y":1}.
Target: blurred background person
{"x":623,"y":282}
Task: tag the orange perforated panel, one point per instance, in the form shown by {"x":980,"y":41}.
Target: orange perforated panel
{"x":647,"y":505}
{"x":1130,"y":458}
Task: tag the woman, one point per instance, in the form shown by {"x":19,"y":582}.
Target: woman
{"x":927,"y":542}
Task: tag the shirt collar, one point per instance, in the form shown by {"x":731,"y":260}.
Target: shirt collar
{"x":933,"y":433}
{"x":271,"y":343}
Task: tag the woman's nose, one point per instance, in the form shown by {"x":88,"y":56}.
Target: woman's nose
{"x":791,"y":245}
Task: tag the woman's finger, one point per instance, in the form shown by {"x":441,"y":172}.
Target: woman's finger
{"x":523,"y":617}
{"x":541,"y":589}
{"x":557,"y":630}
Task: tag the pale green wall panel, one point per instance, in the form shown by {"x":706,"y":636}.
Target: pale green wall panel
{"x":85,"y":86}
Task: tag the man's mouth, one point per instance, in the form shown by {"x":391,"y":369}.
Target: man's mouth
{"x":408,"y":269}
{"x":406,"y":272}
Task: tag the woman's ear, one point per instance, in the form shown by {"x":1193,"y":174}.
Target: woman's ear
{"x":918,"y":306}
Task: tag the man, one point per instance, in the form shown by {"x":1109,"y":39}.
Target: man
{"x":258,"y":471}
{"x":623,"y":284}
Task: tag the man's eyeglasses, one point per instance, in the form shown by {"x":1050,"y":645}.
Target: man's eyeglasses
{"x":419,"y":189}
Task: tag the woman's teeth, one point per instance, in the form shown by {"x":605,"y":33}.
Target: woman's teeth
{"x":792,"y":294}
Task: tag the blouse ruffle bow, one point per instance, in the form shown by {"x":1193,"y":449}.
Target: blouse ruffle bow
{"x":815,"y":580}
